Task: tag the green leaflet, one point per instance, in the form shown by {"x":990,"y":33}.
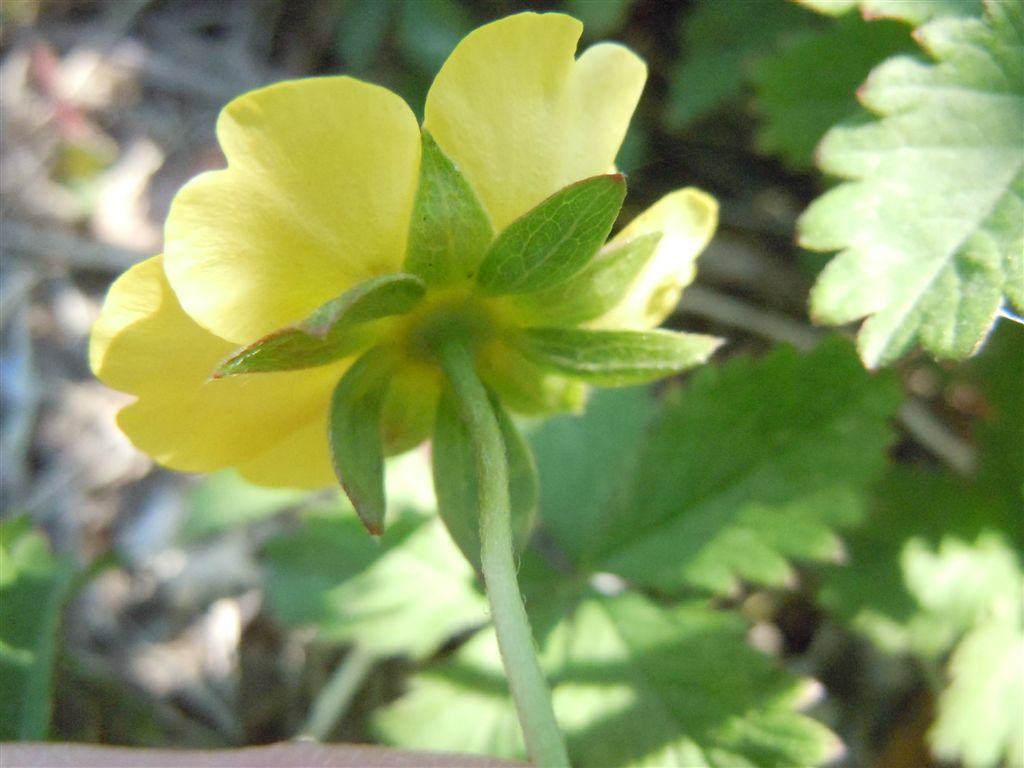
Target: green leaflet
{"x":938,"y":573}
{"x":33,"y":586}
{"x":332,"y":331}
{"x":596,"y":289}
{"x":935,"y":574}
{"x":450,"y":230}
{"x":616,"y":358}
{"x":931,"y":225}
{"x":636,"y":684}
{"x":599,"y":19}
{"x":750,"y":466}
{"x":404,"y":594}
{"x":428,"y":31}
{"x":741,"y":471}
{"x":225,"y":500}
{"x":719,"y":41}
{"x":555,"y":240}
{"x":583,"y":462}
{"x":981,"y":714}
{"x":455,"y":479}
{"x":911,"y":11}
{"x":799,"y":109}
{"x":762,"y":461}
{"x":356,"y":439}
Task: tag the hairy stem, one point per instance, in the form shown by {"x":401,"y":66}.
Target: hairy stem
{"x":529,"y":688}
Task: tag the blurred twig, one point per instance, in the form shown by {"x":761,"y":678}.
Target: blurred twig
{"x":63,"y":250}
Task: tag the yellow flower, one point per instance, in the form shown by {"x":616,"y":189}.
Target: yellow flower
{"x":318,"y":197}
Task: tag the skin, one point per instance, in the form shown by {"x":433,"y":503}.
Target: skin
{"x":295,"y":755}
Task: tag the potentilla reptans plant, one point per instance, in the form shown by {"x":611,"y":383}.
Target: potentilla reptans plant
{"x":353,"y":284}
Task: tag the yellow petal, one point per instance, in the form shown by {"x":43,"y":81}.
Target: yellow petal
{"x":144,"y":344}
{"x":687,"y":219}
{"x":317,"y":196}
{"x":522,"y":118}
{"x":302,"y":460}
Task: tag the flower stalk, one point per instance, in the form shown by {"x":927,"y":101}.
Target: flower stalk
{"x":544,"y":741}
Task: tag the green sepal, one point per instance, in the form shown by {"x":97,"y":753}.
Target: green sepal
{"x":455,"y":478}
{"x":449,"y":231}
{"x":616,"y":358}
{"x":596,"y":289}
{"x":555,"y":240}
{"x":356,"y":437}
{"x":332,"y":331}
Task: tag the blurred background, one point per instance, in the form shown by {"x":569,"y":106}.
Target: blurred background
{"x":109,"y":106}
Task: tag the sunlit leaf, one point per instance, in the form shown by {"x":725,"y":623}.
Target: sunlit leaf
{"x":938,"y":569}
{"x":749,"y":467}
{"x":931,"y":225}
{"x":981,"y":714}
{"x":635,"y":684}
{"x":912,"y":11}
{"x":406,"y":594}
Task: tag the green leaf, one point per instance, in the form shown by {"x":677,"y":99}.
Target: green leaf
{"x":459,"y":705}
{"x":999,"y":372}
{"x":600,"y":17}
{"x":429,"y":30}
{"x":597,"y":289}
{"x":356,"y":439}
{"x":718,"y":43}
{"x":224,"y":500}
{"x":33,"y":587}
{"x":456,"y":483}
{"x":829,"y":7}
{"x":797,"y":108}
{"x":634,"y":684}
{"x":616,"y":358}
{"x":931,"y":227}
{"x":981,"y":714}
{"x":404,"y":594}
{"x":747,"y":467}
{"x":939,"y":569}
{"x":583,"y":462}
{"x":450,"y":230}
{"x":361,"y":32}
{"x":333,"y":331}
{"x":918,"y":511}
{"x":912,"y":11}
{"x":935,"y":572}
{"x":555,"y":240}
